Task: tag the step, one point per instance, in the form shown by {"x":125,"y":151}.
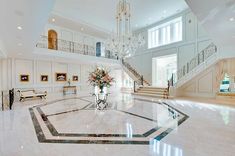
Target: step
{"x":153,"y":87}
{"x":150,"y":95}
{"x":154,"y":90}
{"x":151,"y":92}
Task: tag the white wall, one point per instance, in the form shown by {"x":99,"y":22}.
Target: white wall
{"x":194,"y":40}
{"x":3,"y":52}
{"x":12,"y":68}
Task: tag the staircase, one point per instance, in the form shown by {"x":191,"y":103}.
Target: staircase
{"x":134,"y":74}
{"x":203,"y":60}
{"x":198,"y":64}
{"x":142,"y":87}
{"x":154,"y":92}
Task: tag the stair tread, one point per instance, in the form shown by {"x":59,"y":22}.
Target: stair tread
{"x":153,"y":87}
{"x":151,"y":92}
{"x":152,"y":95}
{"x":148,"y":90}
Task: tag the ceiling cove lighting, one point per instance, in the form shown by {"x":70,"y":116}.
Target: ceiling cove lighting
{"x":53,"y":19}
{"x":123,"y":43}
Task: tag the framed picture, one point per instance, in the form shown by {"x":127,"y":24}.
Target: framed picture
{"x":61,"y":77}
{"x":44,"y":78}
{"x":24,"y":78}
{"x":75,"y":78}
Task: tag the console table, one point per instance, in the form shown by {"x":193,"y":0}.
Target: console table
{"x":66,"y":89}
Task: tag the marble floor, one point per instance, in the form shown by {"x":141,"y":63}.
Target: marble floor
{"x":71,"y":125}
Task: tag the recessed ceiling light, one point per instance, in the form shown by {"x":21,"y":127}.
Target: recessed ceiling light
{"x":19,"y":28}
{"x":231,"y":19}
{"x":53,"y":19}
{"x":82,"y":29}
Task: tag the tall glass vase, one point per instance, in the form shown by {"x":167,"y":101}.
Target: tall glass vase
{"x":101,"y":88}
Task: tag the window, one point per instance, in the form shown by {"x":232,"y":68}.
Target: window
{"x":166,"y":33}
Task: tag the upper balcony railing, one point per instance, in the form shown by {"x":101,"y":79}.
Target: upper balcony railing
{"x":69,"y":46}
{"x":197,"y":60}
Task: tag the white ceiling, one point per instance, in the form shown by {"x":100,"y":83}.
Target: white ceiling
{"x":30,"y":15}
{"x":218,"y":18}
{"x":100,"y":14}
{"x":96,"y":16}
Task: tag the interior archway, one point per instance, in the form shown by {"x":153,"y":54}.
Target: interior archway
{"x":52,"y":40}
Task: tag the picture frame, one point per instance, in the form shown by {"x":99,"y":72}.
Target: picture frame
{"x":24,"y":78}
{"x":61,"y":77}
{"x":44,"y":78}
{"x":75,"y":78}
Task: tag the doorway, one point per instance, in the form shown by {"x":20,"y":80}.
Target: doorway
{"x":162,"y":69}
{"x":52,"y":40}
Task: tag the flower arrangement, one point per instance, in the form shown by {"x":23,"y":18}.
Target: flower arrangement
{"x":101,"y":78}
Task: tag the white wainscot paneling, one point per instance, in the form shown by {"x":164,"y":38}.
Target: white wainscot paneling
{"x":205,"y":83}
{"x":60,"y":68}
{"x":44,"y":68}
{"x":85,"y":70}
{"x":191,"y":87}
{"x":74,"y":70}
{"x":25,"y":67}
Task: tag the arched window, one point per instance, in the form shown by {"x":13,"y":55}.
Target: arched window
{"x":52,"y":40}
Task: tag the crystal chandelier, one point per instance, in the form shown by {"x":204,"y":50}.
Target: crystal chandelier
{"x":124,"y":43}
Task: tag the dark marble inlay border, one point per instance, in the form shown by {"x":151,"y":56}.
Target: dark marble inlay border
{"x":41,"y":137}
{"x":54,"y":132}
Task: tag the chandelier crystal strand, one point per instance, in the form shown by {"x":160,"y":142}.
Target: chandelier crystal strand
{"x":124,"y":43}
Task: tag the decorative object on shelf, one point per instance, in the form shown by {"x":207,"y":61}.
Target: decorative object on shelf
{"x":75,"y":78}
{"x":124,"y":43}
{"x":61,"y":77}
{"x":24,"y":78}
{"x":44,"y":78}
{"x":69,"y":82}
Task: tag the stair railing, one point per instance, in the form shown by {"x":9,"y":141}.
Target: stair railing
{"x":138,"y":76}
{"x":138,"y":83}
{"x":201,"y":57}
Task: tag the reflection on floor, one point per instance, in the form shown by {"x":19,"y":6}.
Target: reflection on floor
{"x":130,"y":126}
